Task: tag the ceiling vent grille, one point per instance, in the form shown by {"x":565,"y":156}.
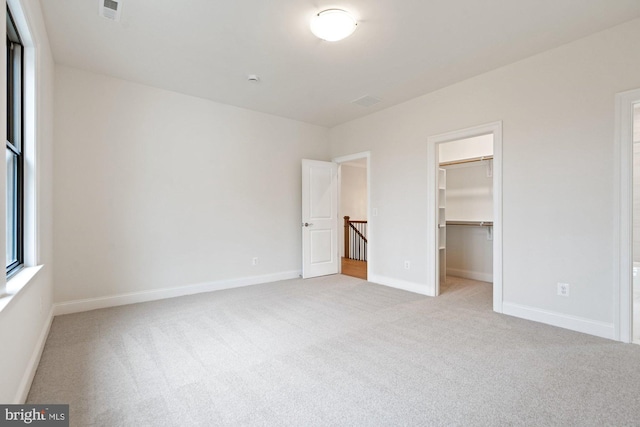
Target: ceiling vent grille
{"x":110,"y":9}
{"x":366,"y":101}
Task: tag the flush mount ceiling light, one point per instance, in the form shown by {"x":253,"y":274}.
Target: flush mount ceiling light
{"x":333,"y":25}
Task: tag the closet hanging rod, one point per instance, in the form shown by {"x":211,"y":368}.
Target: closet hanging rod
{"x":471,"y":160}
{"x":472,"y":223}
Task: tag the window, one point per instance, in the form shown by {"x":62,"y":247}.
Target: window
{"x":14,"y":152}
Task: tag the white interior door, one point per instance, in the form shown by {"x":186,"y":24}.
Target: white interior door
{"x":319,"y":218}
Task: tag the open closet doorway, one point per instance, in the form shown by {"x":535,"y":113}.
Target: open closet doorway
{"x":465,"y":211}
{"x":354,"y":230}
{"x":465,"y":208}
{"x":627,"y":235}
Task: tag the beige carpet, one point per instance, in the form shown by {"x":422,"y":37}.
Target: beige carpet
{"x":332,"y":351}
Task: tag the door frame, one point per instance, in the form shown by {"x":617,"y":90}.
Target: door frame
{"x":623,"y":225}
{"x":349,"y":158}
{"x":433,"y":142}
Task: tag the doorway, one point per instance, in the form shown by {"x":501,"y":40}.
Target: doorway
{"x":627,"y":228}
{"x":322,"y":235}
{"x":354,"y":231}
{"x":465,"y":211}
{"x":635,"y":250}
{"x":436,"y":212}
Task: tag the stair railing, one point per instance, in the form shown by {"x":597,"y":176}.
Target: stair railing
{"x":355,"y":239}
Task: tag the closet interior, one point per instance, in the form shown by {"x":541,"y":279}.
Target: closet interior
{"x":465,"y":209}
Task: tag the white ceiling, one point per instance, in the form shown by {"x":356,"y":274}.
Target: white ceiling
{"x":401,"y":49}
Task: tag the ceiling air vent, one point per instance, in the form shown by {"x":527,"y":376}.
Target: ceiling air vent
{"x":366,"y":101}
{"x":110,"y":9}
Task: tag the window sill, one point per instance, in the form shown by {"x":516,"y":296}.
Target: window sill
{"x":17,"y":283}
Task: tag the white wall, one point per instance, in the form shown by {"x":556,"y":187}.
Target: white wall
{"x":24,"y":322}
{"x":469,"y":253}
{"x":353,"y":192}
{"x":157,"y":190}
{"x":557,"y":110}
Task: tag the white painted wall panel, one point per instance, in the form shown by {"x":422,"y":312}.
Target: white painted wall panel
{"x":156,"y":189}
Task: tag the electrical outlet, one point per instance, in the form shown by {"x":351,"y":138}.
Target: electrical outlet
{"x":254,"y":261}
{"x":563,"y":289}
{"x":407,"y":265}
{"x":375,"y":211}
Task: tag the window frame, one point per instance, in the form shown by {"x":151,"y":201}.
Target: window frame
{"x":16,"y":147}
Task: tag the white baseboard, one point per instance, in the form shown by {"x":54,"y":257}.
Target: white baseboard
{"x":34,"y":361}
{"x":473,"y":275}
{"x":417,"y":288}
{"x":77,"y":306}
{"x":574,"y":323}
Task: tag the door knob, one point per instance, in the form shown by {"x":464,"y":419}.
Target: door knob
{"x":307,"y":224}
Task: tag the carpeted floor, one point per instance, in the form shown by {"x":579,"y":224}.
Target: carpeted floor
{"x":333,"y":351}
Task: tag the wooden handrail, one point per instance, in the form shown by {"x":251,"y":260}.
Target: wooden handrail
{"x":358,"y":231}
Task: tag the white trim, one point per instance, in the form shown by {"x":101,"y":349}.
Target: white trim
{"x":574,"y":323}
{"x":340,"y":222}
{"x":468,"y":274}
{"x":432,"y":216}
{"x":494,"y":128}
{"x":17,"y":8}
{"x":349,"y":158}
{"x":31,"y":106}
{"x":623,"y":223}
{"x":17,"y":283}
{"x":418,"y":288}
{"x":77,"y":306}
{"x":352,"y":157}
{"x":34,"y":361}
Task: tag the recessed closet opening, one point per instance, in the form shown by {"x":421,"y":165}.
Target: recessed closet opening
{"x":464,"y":208}
{"x":465,"y":212}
